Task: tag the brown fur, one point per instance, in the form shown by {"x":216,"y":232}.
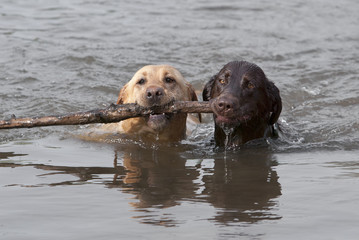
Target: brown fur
{"x":245,"y":104}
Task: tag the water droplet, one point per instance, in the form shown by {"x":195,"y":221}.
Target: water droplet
{"x":228,"y":132}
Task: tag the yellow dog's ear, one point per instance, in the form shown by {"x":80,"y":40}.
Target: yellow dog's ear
{"x":193,"y":97}
{"x":122,"y":95}
{"x":191,"y":93}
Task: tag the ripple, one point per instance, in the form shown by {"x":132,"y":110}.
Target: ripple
{"x":87,"y":59}
{"x":62,"y":57}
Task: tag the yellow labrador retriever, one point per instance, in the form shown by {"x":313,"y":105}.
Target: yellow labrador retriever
{"x":155,"y":85}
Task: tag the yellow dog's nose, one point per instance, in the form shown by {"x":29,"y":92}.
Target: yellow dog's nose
{"x":154,"y":94}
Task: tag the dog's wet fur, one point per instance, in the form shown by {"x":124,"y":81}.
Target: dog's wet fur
{"x":245,"y":103}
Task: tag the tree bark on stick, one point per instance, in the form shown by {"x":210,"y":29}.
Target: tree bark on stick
{"x":114,"y":113}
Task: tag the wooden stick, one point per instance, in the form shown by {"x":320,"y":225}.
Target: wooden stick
{"x":114,"y":113}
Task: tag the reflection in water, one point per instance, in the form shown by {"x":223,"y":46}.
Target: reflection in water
{"x":242,"y":188}
{"x":157,"y":178}
{"x":7,"y":155}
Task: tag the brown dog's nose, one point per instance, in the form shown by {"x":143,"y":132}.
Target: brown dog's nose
{"x":224,"y":106}
{"x":154,"y":93}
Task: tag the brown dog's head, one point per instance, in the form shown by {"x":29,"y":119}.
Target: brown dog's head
{"x":157,"y":85}
{"x":242,"y":96}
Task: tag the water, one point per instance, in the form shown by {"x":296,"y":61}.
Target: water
{"x":66,"y":56}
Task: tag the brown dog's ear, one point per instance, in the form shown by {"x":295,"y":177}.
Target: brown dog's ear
{"x":206,"y":94}
{"x":122,"y":95}
{"x":276,"y":102}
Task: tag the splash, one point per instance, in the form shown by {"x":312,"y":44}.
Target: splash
{"x":157,"y":137}
{"x":227,"y":131}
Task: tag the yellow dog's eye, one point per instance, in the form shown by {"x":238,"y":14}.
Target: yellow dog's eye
{"x":169,"y":80}
{"x":141,"y":81}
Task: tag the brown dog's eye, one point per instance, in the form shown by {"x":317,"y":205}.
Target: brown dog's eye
{"x":169,"y":80}
{"x":141,"y":81}
{"x":250,"y":85}
{"x":222,"y":81}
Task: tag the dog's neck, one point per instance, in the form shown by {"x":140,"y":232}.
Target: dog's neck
{"x":241,"y":134}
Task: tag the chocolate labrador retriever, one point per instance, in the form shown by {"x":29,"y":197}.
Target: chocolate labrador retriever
{"x":245,"y":103}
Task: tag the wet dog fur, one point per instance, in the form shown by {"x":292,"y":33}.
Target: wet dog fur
{"x":245,"y":103}
{"x":155,"y":85}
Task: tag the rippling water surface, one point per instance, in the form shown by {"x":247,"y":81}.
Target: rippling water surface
{"x":64,"y":56}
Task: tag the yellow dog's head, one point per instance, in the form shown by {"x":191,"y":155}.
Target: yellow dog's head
{"x":157,"y":85}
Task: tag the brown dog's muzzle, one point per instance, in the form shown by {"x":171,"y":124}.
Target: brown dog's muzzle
{"x":225,"y":106}
{"x":226,"y":110}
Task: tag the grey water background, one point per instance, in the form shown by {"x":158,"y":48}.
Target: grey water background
{"x":65,"y":56}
